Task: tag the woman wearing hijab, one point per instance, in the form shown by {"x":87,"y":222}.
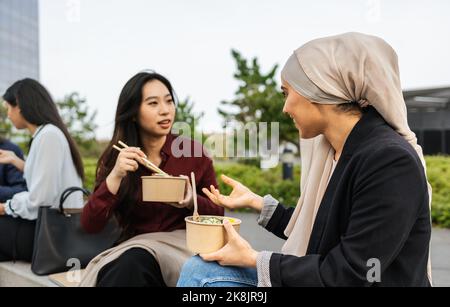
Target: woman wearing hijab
{"x":363,"y":218}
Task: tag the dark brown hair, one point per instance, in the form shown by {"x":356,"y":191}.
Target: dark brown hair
{"x":128,"y":130}
{"x":352,"y":107}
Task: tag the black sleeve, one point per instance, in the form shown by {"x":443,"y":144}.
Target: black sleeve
{"x":387,"y":196}
{"x":279,"y":221}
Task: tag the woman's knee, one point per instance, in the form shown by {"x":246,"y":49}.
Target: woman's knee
{"x":134,"y":257}
{"x":135,"y":267}
{"x":199,"y":273}
{"x":193,"y":272}
{"x":16,"y":242}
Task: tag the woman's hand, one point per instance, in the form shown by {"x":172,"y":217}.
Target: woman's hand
{"x":2,"y":210}
{"x":127,"y":161}
{"x":240,"y":197}
{"x":188,"y":201}
{"x":237,"y":252}
{"x":9,"y":157}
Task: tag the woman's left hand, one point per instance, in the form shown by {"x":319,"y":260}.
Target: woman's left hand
{"x":7,"y":157}
{"x":188,"y":201}
{"x":237,"y":252}
{"x":2,"y":210}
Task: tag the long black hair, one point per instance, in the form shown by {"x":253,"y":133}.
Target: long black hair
{"x":38,"y":108}
{"x":127,"y":129}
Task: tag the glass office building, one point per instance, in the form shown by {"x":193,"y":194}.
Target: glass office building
{"x":19,"y":41}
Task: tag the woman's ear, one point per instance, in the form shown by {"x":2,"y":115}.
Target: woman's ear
{"x":323,"y":109}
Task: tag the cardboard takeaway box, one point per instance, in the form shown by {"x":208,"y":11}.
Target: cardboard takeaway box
{"x":207,"y":238}
{"x":163,"y":189}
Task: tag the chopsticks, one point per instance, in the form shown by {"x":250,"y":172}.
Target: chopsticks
{"x":147,"y":163}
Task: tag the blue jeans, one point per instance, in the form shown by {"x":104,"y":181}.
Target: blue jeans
{"x":199,"y":273}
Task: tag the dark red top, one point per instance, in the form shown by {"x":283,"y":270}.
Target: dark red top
{"x":150,"y":217}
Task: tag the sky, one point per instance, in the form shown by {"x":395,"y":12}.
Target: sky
{"x":94,"y":47}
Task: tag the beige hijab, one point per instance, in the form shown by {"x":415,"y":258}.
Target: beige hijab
{"x":337,"y":70}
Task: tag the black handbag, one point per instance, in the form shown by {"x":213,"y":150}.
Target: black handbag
{"x":60,"y":241}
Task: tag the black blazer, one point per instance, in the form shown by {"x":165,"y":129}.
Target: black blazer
{"x":375,"y":206}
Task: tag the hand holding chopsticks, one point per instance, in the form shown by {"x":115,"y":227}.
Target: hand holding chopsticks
{"x":145,"y":162}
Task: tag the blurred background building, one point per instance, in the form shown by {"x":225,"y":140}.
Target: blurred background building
{"x":429,"y":118}
{"x":19,"y":41}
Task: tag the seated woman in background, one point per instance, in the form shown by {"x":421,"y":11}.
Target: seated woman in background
{"x":153,"y":247}
{"x":363,"y":217}
{"x":11,"y":178}
{"x":53,"y":165}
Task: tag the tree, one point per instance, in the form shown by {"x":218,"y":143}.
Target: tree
{"x":5,"y":124}
{"x":186,"y":115}
{"x":258,"y":99}
{"x":75,"y":113}
{"x":80,"y":122}
{"x":8,"y":131}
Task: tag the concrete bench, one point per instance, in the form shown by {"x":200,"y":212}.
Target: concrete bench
{"x":19,"y":274}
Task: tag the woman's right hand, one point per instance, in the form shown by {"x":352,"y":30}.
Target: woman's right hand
{"x":240,"y":197}
{"x":127,"y":161}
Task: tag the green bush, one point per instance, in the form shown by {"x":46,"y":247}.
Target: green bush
{"x":438,"y":170}
{"x":288,"y":192}
{"x":90,"y":166}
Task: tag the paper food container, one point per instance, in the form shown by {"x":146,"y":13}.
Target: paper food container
{"x":204,"y":238}
{"x":163,"y":189}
